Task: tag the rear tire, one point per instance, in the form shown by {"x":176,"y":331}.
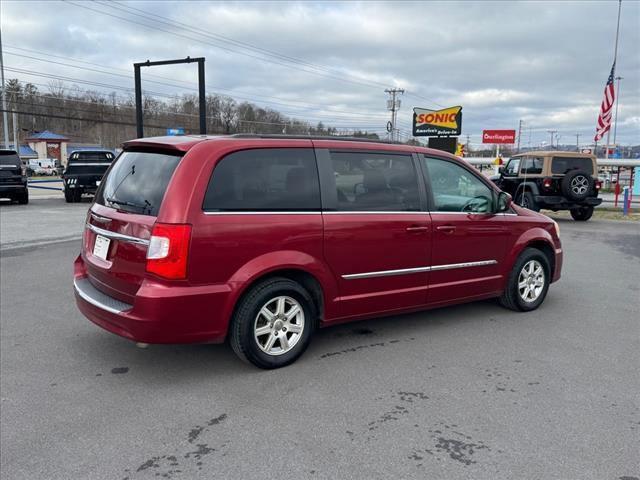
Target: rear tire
{"x":269,"y":332}
{"x":528,"y":282}
{"x":526,"y":200}
{"x":581,"y":214}
{"x":23,"y":198}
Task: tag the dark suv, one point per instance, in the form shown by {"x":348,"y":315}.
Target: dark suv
{"x":552,"y":180}
{"x":13,"y":178}
{"x":84,"y":172}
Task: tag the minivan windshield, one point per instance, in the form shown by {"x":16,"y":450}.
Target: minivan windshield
{"x":137,"y":182}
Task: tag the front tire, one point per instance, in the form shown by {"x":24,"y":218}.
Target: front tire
{"x":581,"y":214}
{"x":23,"y":198}
{"x":528,"y":282}
{"x":273,"y":323}
{"x":526,"y":200}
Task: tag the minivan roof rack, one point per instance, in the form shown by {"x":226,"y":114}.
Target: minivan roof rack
{"x":310,"y":137}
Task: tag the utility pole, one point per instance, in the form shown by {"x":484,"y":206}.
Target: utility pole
{"x":578,"y":135}
{"x":615,"y":121}
{"x":552,"y":133}
{"x":393,"y":105}
{"x":4,"y":100}
{"x":519,"y":133}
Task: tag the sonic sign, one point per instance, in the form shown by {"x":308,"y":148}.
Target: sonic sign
{"x":437,"y":123}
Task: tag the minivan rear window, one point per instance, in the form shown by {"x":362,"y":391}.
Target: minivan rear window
{"x":267,"y":179}
{"x":562,"y":165}
{"x":137,"y":182}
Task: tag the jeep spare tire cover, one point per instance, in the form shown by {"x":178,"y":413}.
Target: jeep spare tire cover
{"x":576,"y":185}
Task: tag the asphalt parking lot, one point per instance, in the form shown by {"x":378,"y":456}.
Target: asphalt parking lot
{"x":468,"y":392}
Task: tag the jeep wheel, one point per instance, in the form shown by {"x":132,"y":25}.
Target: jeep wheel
{"x":68,"y":196}
{"x":577,"y":185}
{"x":273,"y":323}
{"x":526,"y":200}
{"x":582,"y":214}
{"x":528,"y":282}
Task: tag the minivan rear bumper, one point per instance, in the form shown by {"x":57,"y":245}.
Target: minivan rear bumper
{"x":159,"y":313}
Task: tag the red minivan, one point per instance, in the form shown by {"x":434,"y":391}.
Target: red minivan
{"x":263,"y":239}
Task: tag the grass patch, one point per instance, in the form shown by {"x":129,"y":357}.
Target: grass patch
{"x":600,"y":213}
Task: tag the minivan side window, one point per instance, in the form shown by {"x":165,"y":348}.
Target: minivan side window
{"x":532,"y":165}
{"x":370,"y":181}
{"x":266,"y":179}
{"x":455,"y":189}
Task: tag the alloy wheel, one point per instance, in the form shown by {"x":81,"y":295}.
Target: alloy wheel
{"x":279,"y":325}
{"x":580,"y":185}
{"x":531,"y":281}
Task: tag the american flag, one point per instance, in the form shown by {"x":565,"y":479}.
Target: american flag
{"x":606,"y":109}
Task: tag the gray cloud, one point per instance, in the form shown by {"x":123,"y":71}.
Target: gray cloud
{"x":543,"y":62}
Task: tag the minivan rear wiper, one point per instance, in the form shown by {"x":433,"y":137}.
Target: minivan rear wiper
{"x":128,"y":204}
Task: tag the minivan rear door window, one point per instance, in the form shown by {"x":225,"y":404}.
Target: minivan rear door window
{"x":562,"y":165}
{"x":137,"y":182}
{"x":266,"y":179}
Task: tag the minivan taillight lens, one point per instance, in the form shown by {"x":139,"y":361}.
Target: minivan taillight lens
{"x":169,"y":250}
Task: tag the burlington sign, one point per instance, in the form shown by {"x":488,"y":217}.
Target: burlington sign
{"x":437,"y":123}
{"x":499,"y":136}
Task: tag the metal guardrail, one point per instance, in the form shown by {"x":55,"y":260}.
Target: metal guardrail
{"x":602,"y":162}
{"x":30,"y":184}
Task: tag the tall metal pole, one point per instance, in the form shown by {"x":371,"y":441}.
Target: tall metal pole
{"x":519,"y":133}
{"x":5,"y":120}
{"x":139,"y":113}
{"x":578,"y":135}
{"x":615,"y":57}
{"x":615,"y":120}
{"x":202,"y":98}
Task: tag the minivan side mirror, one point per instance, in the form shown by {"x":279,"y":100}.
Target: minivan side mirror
{"x":501,"y":170}
{"x":504,"y":202}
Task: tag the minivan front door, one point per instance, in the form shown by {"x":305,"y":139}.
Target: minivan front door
{"x":377,"y":238}
{"x":469,"y":240}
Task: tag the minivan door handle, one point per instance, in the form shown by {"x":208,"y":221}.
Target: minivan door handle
{"x":446,"y":228}
{"x":417,"y":229}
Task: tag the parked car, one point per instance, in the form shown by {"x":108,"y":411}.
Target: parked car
{"x":553,"y":180}
{"x":84,"y":172}
{"x":13,"y":178}
{"x":42,"y":166}
{"x":256,"y":239}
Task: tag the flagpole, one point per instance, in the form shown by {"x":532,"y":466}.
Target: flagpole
{"x":615,"y":58}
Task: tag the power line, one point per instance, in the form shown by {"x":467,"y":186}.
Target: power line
{"x":310,"y":106}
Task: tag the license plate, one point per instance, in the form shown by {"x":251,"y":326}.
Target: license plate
{"x":101,"y":247}
{"x":97,"y":183}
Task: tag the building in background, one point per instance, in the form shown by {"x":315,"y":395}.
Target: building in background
{"x":49,"y":145}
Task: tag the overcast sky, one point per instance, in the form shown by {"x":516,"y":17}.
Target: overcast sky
{"x":543,"y":62}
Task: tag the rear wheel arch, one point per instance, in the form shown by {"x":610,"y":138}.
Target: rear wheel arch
{"x":526,"y":187}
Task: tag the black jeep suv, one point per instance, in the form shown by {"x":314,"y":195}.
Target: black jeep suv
{"x":84,"y":172}
{"x":552,"y":180}
{"x":13,"y":178}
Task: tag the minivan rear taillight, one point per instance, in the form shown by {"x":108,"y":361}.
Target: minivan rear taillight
{"x":168,"y":250}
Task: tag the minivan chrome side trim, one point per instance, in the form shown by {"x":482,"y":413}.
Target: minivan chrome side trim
{"x":117,"y":236}
{"x":406,"y":271}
